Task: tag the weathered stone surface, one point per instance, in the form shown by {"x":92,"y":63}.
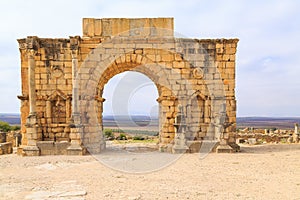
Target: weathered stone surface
{"x":127,"y":27}
{"x":63,"y":80}
{"x":53,"y":148}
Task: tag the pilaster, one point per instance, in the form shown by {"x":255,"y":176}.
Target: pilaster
{"x":32,"y":126}
{"x":76,"y":126}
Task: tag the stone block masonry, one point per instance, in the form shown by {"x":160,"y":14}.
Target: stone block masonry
{"x":63,"y":81}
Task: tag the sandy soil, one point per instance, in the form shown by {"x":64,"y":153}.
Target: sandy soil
{"x":258,"y":172}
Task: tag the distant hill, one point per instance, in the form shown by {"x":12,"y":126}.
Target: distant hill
{"x":142,"y":120}
{"x":242,"y":122}
{"x":129,"y":121}
{"x":12,"y":119}
{"x":126,"y":117}
{"x":268,"y":122}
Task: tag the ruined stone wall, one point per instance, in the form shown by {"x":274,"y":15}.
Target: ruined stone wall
{"x":258,"y":138}
{"x":6,"y":148}
{"x":53,"y":85}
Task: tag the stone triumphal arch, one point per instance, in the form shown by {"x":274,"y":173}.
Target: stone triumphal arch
{"x":63,"y":82}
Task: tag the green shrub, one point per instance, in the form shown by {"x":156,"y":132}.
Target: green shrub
{"x":138,"y":137}
{"x":122,"y":137}
{"x":108,"y":133}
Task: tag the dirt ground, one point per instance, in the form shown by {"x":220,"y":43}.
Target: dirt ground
{"x":258,"y":172}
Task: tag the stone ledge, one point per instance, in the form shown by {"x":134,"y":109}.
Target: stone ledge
{"x":75,"y":150}
{"x":31,"y":151}
{"x":224,"y":148}
{"x":53,"y":148}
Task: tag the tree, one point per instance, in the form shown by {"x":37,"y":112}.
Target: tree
{"x":4,"y":126}
{"x":15,"y":128}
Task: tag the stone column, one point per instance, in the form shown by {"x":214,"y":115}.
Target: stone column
{"x":180,"y":124}
{"x":206,"y":111}
{"x":31,"y":82}
{"x":76,"y":127}
{"x":32,"y":124}
{"x":75,"y":106}
{"x":68,"y":109}
{"x":102,"y":141}
{"x":48,"y":112}
{"x":17,"y":141}
{"x":100,"y":102}
{"x":190,"y":120}
{"x":296,"y":134}
{"x":221,"y":125}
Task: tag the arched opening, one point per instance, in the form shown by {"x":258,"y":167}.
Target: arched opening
{"x":130,"y":113}
{"x":176,"y":82}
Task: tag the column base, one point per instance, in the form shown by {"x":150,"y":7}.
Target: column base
{"x":20,"y":151}
{"x":102,"y":145}
{"x":208,"y":146}
{"x":224,"y":149}
{"x":95,"y":148}
{"x":31,"y":151}
{"x":180,"y":144}
{"x":202,"y":146}
{"x":76,"y":150}
{"x":194,"y":145}
{"x":181,"y":149}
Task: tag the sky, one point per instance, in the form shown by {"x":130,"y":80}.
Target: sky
{"x":268,"y":61}
{"x":130,"y":93}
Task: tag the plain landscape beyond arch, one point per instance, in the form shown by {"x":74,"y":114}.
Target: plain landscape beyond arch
{"x":129,"y":96}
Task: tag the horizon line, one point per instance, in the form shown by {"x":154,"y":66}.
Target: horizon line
{"x":253,"y":116}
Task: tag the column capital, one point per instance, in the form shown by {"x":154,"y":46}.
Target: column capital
{"x":74,"y":43}
{"x":74,"y":53}
{"x":32,"y":42}
{"x":30,"y":53}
